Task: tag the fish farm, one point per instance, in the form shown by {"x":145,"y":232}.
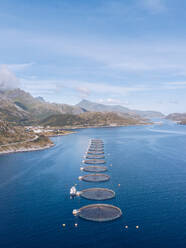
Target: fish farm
{"x":99,"y":212}
{"x":95,"y":178}
{"x":95,"y":152}
{"x":96,"y":212}
{"x":95,"y":156}
{"x":97,"y":194}
{"x":96,"y":149}
{"x":94,"y":168}
{"x":94,"y":161}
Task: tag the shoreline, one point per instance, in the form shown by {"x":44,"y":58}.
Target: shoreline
{"x":19,"y":150}
{"x":31,"y":149}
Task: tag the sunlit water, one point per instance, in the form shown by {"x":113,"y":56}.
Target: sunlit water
{"x":149,"y":163}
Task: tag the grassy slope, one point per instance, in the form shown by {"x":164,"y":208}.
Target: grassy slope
{"x":91,"y":119}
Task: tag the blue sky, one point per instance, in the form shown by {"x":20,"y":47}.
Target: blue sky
{"x":128,"y":52}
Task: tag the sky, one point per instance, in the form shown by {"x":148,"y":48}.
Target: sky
{"x":126,"y":52}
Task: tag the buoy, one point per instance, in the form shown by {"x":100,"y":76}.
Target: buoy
{"x":75,"y":224}
{"x":137,"y":227}
{"x":126,"y":227}
{"x":64,"y":225}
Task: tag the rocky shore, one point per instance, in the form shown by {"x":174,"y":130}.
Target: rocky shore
{"x":40,"y":143}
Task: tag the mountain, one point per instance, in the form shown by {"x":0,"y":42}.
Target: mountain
{"x":91,"y":119}
{"x":9,"y":111}
{"x":19,"y":106}
{"x":179,"y":117}
{"x":22,"y":108}
{"x":97,"y":107}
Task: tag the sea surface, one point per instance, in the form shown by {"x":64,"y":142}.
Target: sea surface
{"x":149,"y":163}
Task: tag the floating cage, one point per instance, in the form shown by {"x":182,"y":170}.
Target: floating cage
{"x":95,"y":152}
{"x":98,"y":194}
{"x":96,"y":143}
{"x":94,"y":161}
{"x":95,"y":156}
{"x":95,"y":178}
{"x":92,"y":168}
{"x":99,"y":212}
{"x":95,"y":148}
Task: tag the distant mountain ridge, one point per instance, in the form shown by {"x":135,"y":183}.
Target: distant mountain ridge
{"x":22,"y":108}
{"x":179,"y":117}
{"x":97,"y":107}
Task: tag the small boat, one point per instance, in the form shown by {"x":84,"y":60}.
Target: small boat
{"x":75,"y":212}
{"x":73,"y":191}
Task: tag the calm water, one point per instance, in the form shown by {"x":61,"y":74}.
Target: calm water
{"x":149,"y":163}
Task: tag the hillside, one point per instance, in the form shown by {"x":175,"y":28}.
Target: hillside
{"x":17,"y":139}
{"x":91,"y":119}
{"x":19,"y":106}
{"x":179,"y":117}
{"x":97,"y":107}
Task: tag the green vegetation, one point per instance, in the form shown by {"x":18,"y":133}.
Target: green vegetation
{"x":91,"y":119}
{"x":17,"y":139}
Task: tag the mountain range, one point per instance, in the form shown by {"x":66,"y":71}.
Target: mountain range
{"x":97,"y":107}
{"x":22,"y":108}
{"x":179,"y":117}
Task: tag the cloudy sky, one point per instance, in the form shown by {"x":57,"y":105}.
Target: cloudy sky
{"x":128,"y":52}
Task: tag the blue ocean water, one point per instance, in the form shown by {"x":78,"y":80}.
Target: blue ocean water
{"x":149,"y":163}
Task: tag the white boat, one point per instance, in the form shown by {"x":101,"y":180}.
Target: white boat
{"x":73,"y":191}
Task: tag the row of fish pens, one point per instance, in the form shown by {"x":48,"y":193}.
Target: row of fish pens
{"x":94,"y":157}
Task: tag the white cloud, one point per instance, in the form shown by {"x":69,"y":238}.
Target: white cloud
{"x":8,"y":80}
{"x":19,"y":67}
{"x":112,"y":101}
{"x":84,"y":92}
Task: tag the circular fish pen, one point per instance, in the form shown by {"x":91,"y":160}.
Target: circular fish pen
{"x":92,"y":168}
{"x":99,"y":212}
{"x":94,"y":161}
{"x":97,"y":194}
{"x":95,"y":156}
{"x":95,"y":152}
{"x":95,"y":178}
{"x":96,"y":144}
{"x":96,"y":147}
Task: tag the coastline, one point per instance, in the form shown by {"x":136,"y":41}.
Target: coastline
{"x":51,"y":144}
{"x":31,"y":149}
